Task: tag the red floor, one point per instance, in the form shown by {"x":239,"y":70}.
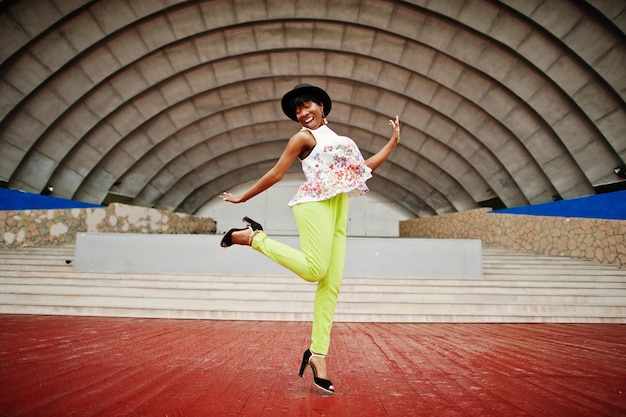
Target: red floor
{"x":71,"y":366}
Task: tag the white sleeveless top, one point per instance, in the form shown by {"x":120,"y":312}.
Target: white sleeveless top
{"x":334,"y":166}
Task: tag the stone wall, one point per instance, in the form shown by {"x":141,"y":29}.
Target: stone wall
{"x":602,"y":241}
{"x":59,"y":227}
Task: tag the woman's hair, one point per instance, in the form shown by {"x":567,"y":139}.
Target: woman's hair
{"x":300,"y":100}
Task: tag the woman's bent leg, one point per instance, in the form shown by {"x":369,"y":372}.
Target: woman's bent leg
{"x":316,"y":234}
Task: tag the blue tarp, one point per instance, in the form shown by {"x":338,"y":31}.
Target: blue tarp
{"x":610,"y":206}
{"x":21,"y":200}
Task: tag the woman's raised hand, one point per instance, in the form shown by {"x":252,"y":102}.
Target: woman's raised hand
{"x":395,"y":124}
{"x":374,"y":161}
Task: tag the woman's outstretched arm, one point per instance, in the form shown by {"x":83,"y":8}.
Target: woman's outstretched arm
{"x":275,"y":174}
{"x":377,"y":159}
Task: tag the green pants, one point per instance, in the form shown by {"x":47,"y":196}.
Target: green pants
{"x":322,"y":228}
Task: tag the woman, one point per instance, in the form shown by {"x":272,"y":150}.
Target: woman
{"x":334,"y":169}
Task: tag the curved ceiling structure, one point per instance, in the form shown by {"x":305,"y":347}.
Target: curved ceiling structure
{"x":167,"y":103}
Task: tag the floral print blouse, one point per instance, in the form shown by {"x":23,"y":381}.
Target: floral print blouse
{"x":334,"y":166}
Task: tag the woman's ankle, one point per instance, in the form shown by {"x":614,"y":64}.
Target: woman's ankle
{"x":253,"y":235}
{"x":319,"y":362}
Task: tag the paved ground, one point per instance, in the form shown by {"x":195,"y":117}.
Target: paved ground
{"x":72,"y":366}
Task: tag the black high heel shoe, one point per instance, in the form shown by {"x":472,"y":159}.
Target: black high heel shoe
{"x":227,"y":240}
{"x":321,"y":383}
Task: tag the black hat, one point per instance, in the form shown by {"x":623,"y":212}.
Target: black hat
{"x":304,"y":89}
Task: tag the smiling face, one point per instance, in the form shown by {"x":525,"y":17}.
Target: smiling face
{"x":310,"y":114}
{"x":309,"y":111}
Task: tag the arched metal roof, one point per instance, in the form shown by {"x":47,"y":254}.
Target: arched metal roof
{"x":168,"y":103}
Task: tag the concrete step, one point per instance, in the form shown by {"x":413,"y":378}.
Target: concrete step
{"x":553,"y":265}
{"x":350,"y":293}
{"x":280,"y":310}
{"x":514,"y":288}
{"x":30,"y":278}
{"x":491,"y":271}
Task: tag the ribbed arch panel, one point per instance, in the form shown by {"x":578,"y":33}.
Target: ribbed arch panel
{"x":519,"y":100}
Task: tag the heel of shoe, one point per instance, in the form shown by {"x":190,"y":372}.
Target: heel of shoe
{"x":305,"y":361}
{"x":253,"y":225}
